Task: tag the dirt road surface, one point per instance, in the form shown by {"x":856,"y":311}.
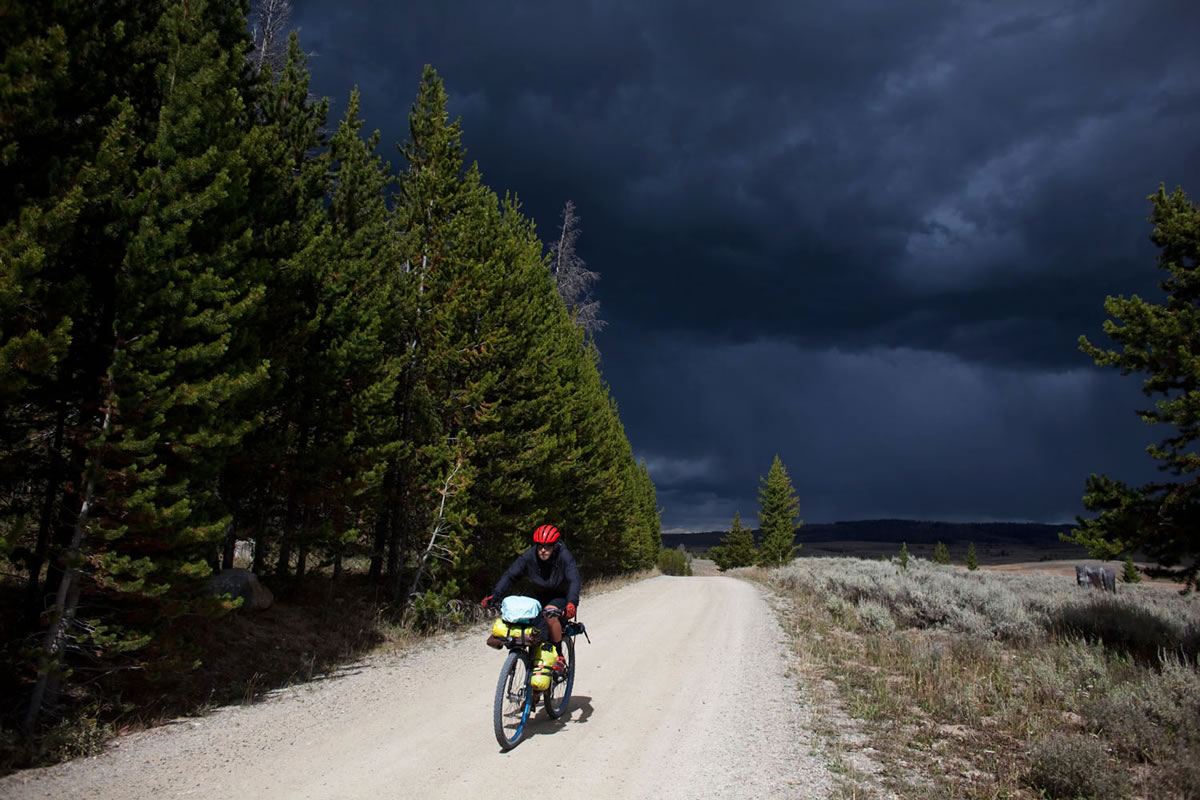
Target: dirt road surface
{"x":683,"y":692}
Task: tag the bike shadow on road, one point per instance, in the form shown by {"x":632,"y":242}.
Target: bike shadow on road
{"x":579,"y":710}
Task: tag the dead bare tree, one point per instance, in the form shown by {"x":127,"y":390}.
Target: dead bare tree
{"x":571,"y":275}
{"x":269,"y":27}
{"x":436,"y":548}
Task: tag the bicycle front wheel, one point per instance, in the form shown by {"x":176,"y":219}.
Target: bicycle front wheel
{"x":511,"y":710}
{"x":559,"y":693}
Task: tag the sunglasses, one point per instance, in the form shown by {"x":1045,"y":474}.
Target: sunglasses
{"x":546,"y":546}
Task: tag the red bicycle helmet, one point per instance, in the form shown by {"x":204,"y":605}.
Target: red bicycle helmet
{"x":545,"y":534}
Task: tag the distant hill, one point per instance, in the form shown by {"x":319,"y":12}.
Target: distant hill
{"x":994,"y":541}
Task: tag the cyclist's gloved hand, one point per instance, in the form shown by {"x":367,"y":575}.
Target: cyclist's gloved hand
{"x":487,"y":601}
{"x":570,"y":611}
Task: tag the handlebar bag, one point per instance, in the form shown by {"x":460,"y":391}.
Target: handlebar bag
{"x":517,"y":608}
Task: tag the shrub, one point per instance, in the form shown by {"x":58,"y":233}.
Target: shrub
{"x":840,"y":610}
{"x":76,"y":737}
{"x":1067,"y":766}
{"x":1152,"y":718}
{"x":432,"y":610}
{"x":1131,"y":574}
{"x":1124,"y":626}
{"x":873,"y":616}
{"x":674,"y":562}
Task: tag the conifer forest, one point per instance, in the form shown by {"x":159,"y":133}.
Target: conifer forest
{"x":231,"y":324}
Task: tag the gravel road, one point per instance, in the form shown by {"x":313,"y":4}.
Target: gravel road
{"x":683,"y":692}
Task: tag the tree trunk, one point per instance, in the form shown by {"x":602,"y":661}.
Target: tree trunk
{"x":229,"y":550}
{"x":33,"y":595}
{"x":302,"y":559}
{"x":260,"y":541}
{"x":283,"y":566}
{"x":66,"y":598}
{"x":65,"y":527}
{"x":382,"y":527}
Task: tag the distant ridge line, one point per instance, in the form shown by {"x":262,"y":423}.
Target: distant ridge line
{"x":1038,"y":534}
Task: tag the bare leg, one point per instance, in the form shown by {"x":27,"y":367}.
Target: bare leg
{"x":556,"y":631}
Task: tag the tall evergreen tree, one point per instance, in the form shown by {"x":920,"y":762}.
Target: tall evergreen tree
{"x":182,"y":369}
{"x":341,"y":383}
{"x":257,"y":481}
{"x":179,"y":367}
{"x":777,"y":516}
{"x":1159,"y":518}
{"x":737,"y":547}
{"x":79,"y":95}
{"x":439,"y":208}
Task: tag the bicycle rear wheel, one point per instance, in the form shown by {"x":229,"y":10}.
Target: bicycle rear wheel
{"x":512,"y":708}
{"x":559,"y":693}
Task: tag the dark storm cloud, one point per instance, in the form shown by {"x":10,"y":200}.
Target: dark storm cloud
{"x":900,"y":212}
{"x":887,"y":432}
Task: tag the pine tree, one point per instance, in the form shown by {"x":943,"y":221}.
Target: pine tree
{"x":1130,"y":573}
{"x":182,"y":371}
{"x":941,"y":554}
{"x":77,"y":83}
{"x":348,"y":377}
{"x":1159,"y":518}
{"x":778,"y":508}
{"x":292,"y":184}
{"x":737,"y":548}
{"x":972,"y":557}
{"x":442,"y":212}
{"x":904,"y":555}
{"x":169,"y":285}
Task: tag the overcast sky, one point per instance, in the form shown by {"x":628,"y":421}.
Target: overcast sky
{"x":863,"y":235}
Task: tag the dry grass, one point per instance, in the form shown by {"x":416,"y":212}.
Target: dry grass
{"x":986,"y":684}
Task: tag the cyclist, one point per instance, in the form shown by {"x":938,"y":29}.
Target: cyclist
{"x":551,"y":568}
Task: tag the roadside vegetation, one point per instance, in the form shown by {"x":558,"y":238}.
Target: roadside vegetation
{"x":675,"y":562}
{"x":981,"y":684}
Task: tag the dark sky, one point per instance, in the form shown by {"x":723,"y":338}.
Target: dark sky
{"x":862,"y":235}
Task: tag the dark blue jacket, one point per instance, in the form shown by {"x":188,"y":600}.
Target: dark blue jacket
{"x":557,"y":576}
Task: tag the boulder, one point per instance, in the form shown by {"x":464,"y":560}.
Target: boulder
{"x":238,"y":582}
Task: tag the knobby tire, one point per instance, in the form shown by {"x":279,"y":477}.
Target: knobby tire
{"x":559,"y":693}
{"x":513,"y":684}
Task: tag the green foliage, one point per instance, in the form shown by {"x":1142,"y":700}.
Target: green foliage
{"x":873,"y":616}
{"x":1160,"y":518}
{"x":674,"y":562}
{"x":737,"y":547}
{"x":1068,"y":766}
{"x":1154,"y":718}
{"x":972,"y":557}
{"x":1130,"y":573}
{"x":434,"y":610}
{"x":904,"y":555}
{"x":941,"y":554}
{"x":778,"y":509}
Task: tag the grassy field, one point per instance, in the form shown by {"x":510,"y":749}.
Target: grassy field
{"x":1003,"y":682}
